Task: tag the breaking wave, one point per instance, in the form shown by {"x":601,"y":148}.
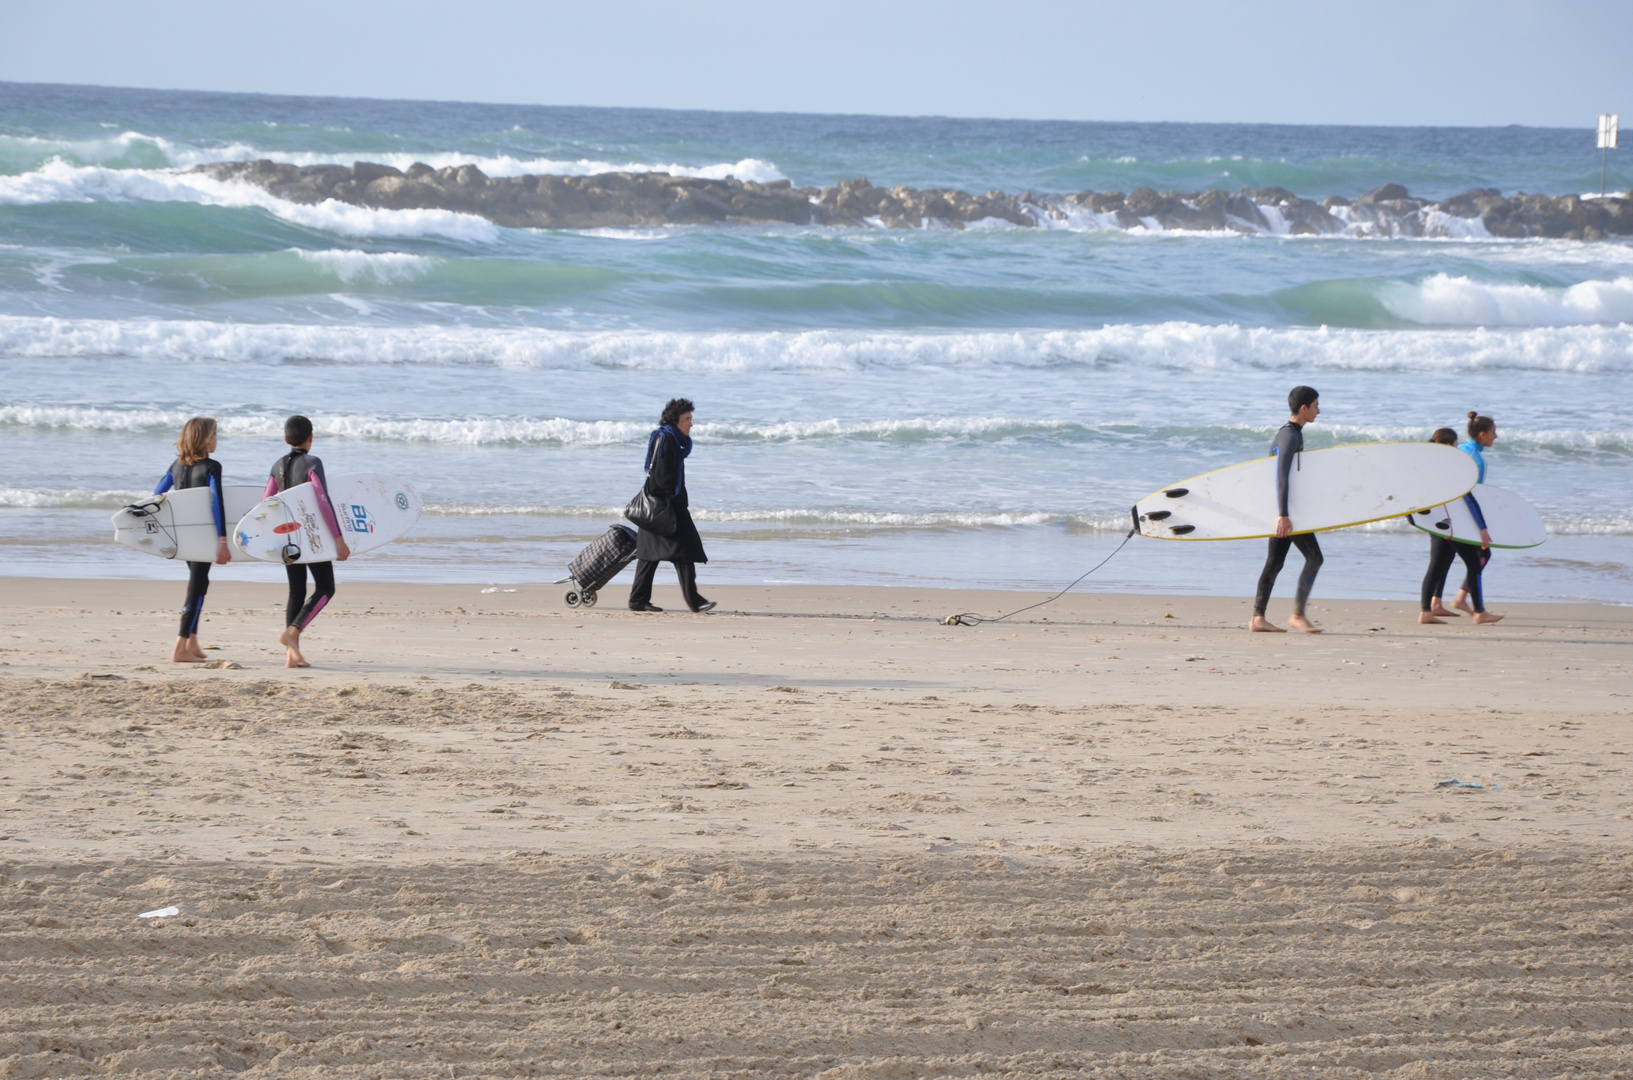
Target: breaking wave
{"x":1168,"y":346}
{"x":1451,"y":300}
{"x":131,"y":150}
{"x":58,"y":182}
{"x":565,"y":432}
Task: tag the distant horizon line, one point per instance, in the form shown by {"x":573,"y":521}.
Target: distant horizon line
{"x":785,"y":112}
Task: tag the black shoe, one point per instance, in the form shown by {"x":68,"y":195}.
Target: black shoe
{"x":707,"y":605}
{"x":645,"y":607}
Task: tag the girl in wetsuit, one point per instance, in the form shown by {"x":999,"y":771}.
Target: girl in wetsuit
{"x":1444,"y":550}
{"x":194,"y":468}
{"x":1482,"y":433}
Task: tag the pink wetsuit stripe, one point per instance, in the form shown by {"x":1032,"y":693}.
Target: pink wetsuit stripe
{"x":324,"y":506}
{"x":322,"y":602}
{"x":271,"y":488}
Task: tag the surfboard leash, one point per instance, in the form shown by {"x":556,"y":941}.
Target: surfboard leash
{"x":970,"y":618}
{"x":149,"y":508}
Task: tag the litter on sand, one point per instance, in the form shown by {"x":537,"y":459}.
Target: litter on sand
{"x":1455,"y":784}
{"x":160,"y":913}
{"x":495,"y":588}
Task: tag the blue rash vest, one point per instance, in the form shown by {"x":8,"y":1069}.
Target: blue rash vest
{"x":1472,"y":449}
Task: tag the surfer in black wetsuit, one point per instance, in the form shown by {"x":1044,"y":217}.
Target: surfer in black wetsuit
{"x":195,"y":468}
{"x":1305,"y":405}
{"x":293,"y":469}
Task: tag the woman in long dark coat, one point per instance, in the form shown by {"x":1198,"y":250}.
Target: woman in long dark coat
{"x":666,"y":454}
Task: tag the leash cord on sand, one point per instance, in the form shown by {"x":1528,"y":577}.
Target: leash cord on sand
{"x":969,"y":618}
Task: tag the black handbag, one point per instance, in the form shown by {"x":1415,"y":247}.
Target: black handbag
{"x":652,"y":512}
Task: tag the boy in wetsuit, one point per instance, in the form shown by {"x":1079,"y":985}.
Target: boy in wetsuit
{"x":291,"y":470}
{"x":1305,"y":405}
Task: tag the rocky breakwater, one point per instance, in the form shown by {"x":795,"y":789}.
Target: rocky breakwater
{"x":623,"y":199}
{"x":1388,"y":211}
{"x":616,"y":199}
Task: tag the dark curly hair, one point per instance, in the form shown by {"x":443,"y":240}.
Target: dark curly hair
{"x":676,"y":408}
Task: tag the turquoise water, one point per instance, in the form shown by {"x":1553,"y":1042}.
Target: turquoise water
{"x":921,"y":407}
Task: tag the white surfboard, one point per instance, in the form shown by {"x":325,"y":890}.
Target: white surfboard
{"x":1331,"y":488}
{"x":179,"y":524}
{"x":288,"y":527}
{"x":1511,"y":521}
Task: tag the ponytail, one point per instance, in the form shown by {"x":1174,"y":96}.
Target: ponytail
{"x":1479,"y":425}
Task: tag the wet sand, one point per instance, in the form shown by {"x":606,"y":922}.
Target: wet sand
{"x":816,"y":832}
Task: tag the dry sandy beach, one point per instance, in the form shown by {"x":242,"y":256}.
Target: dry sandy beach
{"x":816,"y":833}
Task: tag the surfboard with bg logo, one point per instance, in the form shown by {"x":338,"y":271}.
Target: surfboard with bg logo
{"x":289,"y":527}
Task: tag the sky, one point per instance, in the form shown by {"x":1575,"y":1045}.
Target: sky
{"x":1387,"y":62}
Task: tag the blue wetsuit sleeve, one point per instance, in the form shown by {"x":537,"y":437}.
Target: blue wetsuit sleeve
{"x":1474,"y":508}
{"x":165,"y":485}
{"x":218,"y":501}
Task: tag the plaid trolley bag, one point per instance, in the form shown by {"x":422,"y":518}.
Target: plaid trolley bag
{"x":598,"y":563}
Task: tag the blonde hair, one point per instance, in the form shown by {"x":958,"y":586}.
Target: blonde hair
{"x":193,"y":446}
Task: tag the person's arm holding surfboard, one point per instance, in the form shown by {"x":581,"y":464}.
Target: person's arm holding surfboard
{"x":1479,"y":519}
{"x":218,"y":507}
{"x":327,"y":509}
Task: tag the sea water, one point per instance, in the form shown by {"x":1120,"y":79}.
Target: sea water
{"x":938,"y":407}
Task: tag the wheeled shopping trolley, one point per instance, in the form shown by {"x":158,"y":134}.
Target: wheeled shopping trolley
{"x":597,"y":564}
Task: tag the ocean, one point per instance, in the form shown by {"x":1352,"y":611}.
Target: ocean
{"x":927,"y":407}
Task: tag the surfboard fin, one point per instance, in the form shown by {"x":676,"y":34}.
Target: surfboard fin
{"x":1181,"y":530}
{"x":1177,"y":493}
{"x":1159,"y":515}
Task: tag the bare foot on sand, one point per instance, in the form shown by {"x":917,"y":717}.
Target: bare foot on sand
{"x":181,"y":654}
{"x":195,"y":648}
{"x":1461,"y":603}
{"x":1262,"y":625}
{"x":1482,"y":617}
{"x":1427,"y":618}
{"x":290,"y":639}
{"x":1299,"y":622}
{"x":1444,"y":612}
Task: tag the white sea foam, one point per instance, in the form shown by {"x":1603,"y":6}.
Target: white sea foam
{"x":60,"y":182}
{"x":385,"y":267}
{"x":489,"y":431}
{"x":814,"y":516}
{"x":1454,"y":300}
{"x":184,"y":156}
{"x":66,"y":498}
{"x":1158,"y":347}
{"x":566,"y":432}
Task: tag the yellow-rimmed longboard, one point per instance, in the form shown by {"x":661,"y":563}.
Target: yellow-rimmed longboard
{"x":1510,"y":520}
{"x":1331,"y":488}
